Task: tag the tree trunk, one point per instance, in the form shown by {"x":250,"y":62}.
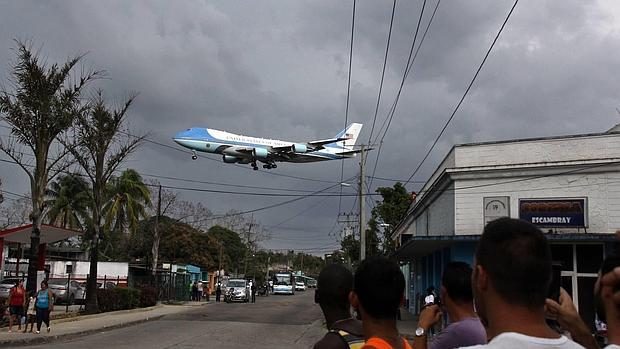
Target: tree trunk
{"x":155,"y":250}
{"x":33,"y":259}
{"x":92,"y":307}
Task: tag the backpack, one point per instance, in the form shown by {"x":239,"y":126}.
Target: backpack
{"x":352,"y":341}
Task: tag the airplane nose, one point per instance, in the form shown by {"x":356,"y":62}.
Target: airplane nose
{"x":182,"y":134}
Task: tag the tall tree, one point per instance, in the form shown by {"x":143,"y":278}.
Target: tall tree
{"x":68,"y":199}
{"x":42,"y":103}
{"x":102,"y":143}
{"x":127,"y":199}
{"x":16,"y":214}
{"x":389,"y":212}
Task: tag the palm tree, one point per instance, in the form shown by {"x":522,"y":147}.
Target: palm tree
{"x":67,"y":200}
{"x":128,"y":198}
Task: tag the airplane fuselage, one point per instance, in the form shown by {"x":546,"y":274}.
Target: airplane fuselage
{"x":244,"y":149}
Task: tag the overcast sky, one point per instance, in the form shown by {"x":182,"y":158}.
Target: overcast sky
{"x":278,"y":69}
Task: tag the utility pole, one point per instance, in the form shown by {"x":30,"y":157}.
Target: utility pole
{"x":245,"y":267}
{"x":361,"y":200}
{"x":302,"y":263}
{"x":156,"y":237}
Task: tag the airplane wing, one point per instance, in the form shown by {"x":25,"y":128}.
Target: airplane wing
{"x":319,"y":144}
{"x":310,"y":146}
{"x":351,"y":152}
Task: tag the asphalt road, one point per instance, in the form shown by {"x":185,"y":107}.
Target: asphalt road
{"x":272,"y":322}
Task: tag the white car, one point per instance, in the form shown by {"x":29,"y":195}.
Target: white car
{"x":300,"y":286}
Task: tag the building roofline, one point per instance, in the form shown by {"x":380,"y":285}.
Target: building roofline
{"x":533,"y":139}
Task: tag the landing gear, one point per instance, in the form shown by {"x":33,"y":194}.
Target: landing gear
{"x":270,"y":165}
{"x":194,"y":156}
{"x":254,"y":166}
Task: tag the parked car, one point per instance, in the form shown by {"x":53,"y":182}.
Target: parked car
{"x":62,"y":294}
{"x":300,"y":286}
{"x":237,"y":290}
{"x":6,"y":285}
{"x":311,"y":283}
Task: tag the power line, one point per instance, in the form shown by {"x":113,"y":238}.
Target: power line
{"x":346,"y":114}
{"x":190,"y":180}
{"x":471,"y":83}
{"x":387,"y":49}
{"x":408,"y":68}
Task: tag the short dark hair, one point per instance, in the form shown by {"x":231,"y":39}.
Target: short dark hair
{"x":456,"y":279}
{"x":334,"y":284}
{"x":379,"y":285}
{"x":516,"y":255}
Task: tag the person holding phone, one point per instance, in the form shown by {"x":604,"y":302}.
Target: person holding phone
{"x":465,"y":327}
{"x":510,"y":280}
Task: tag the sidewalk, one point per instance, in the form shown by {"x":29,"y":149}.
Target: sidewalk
{"x":88,"y":324}
{"x":407,"y":324}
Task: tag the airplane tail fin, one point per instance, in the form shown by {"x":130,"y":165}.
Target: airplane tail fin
{"x":351,"y":133}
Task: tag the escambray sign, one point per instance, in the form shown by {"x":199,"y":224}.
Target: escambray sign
{"x":555,"y":213}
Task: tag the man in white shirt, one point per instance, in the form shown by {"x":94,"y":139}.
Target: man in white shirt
{"x":512,"y":274}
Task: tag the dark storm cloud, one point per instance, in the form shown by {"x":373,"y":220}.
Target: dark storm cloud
{"x":279,"y":69}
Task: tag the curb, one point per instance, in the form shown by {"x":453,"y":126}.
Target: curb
{"x":54,"y":338}
{"x":94,"y":316}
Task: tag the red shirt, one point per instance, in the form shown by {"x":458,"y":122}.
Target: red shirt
{"x":17,"y":296}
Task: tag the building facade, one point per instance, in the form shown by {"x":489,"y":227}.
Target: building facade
{"x":568,"y":186}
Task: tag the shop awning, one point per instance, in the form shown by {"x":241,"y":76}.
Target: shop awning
{"x":420,"y":246}
{"x":49,"y":234}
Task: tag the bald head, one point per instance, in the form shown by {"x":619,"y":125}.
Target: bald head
{"x":333,"y":287}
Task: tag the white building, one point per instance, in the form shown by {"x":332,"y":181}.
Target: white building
{"x":569,"y":186}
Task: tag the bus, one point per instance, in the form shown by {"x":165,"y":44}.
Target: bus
{"x":284,"y":283}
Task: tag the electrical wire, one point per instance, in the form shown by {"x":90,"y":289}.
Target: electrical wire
{"x":408,"y":68}
{"x":387,"y":49}
{"x":346,"y":114}
{"x":471,"y":83}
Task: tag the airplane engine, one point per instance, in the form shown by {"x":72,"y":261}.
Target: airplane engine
{"x":261,"y":153}
{"x":300,"y":148}
{"x":243,"y":161}
{"x":230,"y":159}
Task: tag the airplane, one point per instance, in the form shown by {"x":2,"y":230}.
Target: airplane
{"x":248,"y":150}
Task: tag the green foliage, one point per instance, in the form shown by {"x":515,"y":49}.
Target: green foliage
{"x":126,"y":200}
{"x":128,"y":297}
{"x":118,"y":298}
{"x":391,"y":210}
{"x":233,"y":249}
{"x":180,"y":243}
{"x":108,"y":300}
{"x":68,"y":199}
{"x":148,"y":295}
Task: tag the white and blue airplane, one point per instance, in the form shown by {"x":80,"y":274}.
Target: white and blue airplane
{"x":248,"y":150}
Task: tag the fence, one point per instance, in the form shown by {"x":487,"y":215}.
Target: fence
{"x":170,"y":286}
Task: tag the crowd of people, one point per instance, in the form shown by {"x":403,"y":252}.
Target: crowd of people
{"x":499,"y":302}
{"x":26,"y":309}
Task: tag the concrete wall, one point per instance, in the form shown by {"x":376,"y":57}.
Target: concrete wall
{"x":536,"y":151}
{"x":602,"y":191}
{"x":437,"y":218}
{"x":81,"y":269}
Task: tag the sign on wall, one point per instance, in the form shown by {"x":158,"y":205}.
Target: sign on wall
{"x":496,"y":207}
{"x":554,"y":213}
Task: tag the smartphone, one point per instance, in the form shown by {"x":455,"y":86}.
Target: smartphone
{"x":556,"y":281}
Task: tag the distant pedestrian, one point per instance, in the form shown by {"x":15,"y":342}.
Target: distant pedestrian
{"x":200,"y":288}
{"x":17,"y":302}
{"x":218,"y":292}
{"x":31,"y":313}
{"x":44,"y":304}
{"x":253,"y":290}
{"x":194,"y":291}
